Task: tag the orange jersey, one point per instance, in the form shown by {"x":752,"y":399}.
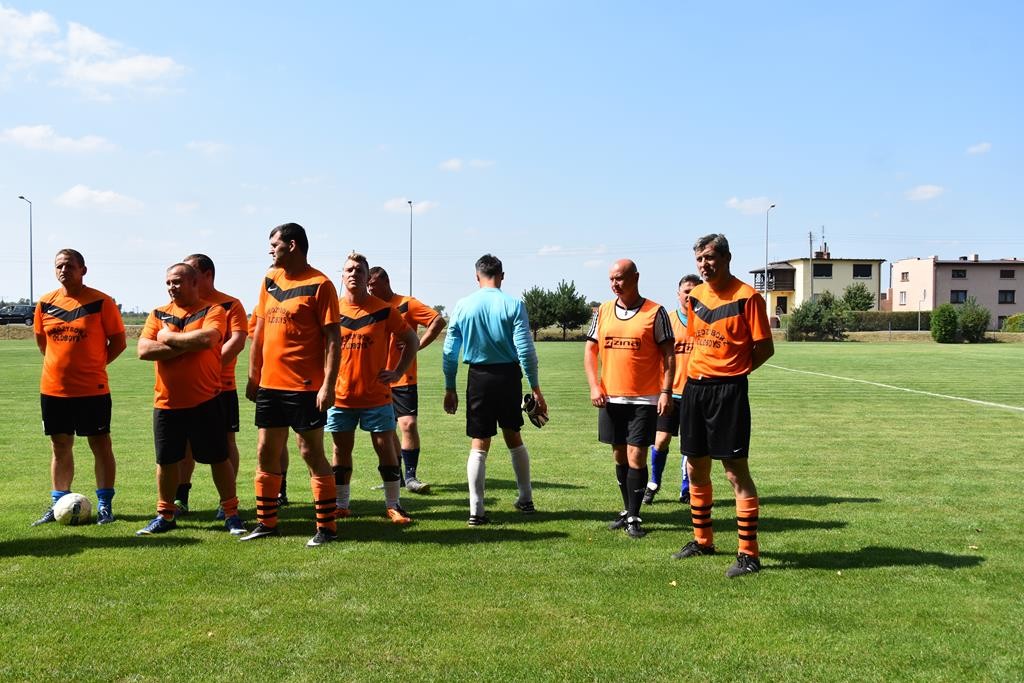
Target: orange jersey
{"x":628,"y":353}
{"x":725,"y":325}
{"x":366,"y":331}
{"x":192,"y":378}
{"x":295,"y":312}
{"x":683,"y":346}
{"x":76,"y":329}
{"x":236,"y":322}
{"x":415,"y":313}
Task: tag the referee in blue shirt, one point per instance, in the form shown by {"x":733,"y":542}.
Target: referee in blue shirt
{"x":493,"y":333}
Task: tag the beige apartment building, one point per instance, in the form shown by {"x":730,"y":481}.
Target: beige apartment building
{"x":792,"y":282}
{"x":922,"y":284}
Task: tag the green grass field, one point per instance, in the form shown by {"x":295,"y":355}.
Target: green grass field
{"x":890,"y":533}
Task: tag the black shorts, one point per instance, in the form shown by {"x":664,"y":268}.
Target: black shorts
{"x":84,"y":415}
{"x":295,"y":409}
{"x":627,"y":423}
{"x":229,"y":405}
{"x":494,"y":398}
{"x":201,"y":426}
{"x":406,"y":400}
{"x":670,"y":423}
{"x":716,"y":418}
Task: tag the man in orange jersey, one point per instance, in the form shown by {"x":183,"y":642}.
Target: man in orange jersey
{"x":293,"y":368}
{"x":630,"y":364}
{"x":404,"y":392}
{"x":731,"y":337}
{"x":363,"y":393}
{"x":668,"y":425}
{"x":183,"y":339}
{"x":79,"y":332}
{"x":231,"y":346}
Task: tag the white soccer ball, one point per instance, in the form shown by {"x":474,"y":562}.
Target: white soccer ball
{"x":72,"y":509}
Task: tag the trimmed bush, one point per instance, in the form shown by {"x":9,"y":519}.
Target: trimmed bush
{"x":879,"y":321}
{"x":1015,"y":323}
{"x":944,"y":324}
{"x":822,"y":319}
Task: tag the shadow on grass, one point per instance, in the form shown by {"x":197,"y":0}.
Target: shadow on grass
{"x":872,"y":557}
{"x":815,"y":501}
{"x":72,"y":545}
{"x":371,"y":531}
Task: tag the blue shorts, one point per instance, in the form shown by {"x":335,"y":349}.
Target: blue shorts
{"x":379,"y":419}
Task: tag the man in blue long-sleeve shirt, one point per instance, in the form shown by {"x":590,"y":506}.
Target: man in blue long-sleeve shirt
{"x":493,"y":333}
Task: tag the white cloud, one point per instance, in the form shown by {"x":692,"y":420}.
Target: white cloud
{"x":208,"y":148}
{"x":186,"y":208}
{"x":83,"y":197}
{"x":923,"y":193}
{"x":549,"y":250}
{"x":593,"y":263}
{"x":750,"y":206}
{"x":83,"y":58}
{"x":559,"y":250}
{"x":45,"y":137}
{"x":980,"y":148}
{"x":308,"y":180}
{"x":455,"y":164}
{"x":401,"y":205}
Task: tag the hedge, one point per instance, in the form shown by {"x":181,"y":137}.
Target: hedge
{"x":878,"y":321}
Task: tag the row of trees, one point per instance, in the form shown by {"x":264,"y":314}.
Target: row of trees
{"x":964,"y":322}
{"x":562,"y":306}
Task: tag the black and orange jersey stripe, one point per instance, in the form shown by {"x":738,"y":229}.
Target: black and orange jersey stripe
{"x":366,"y":332}
{"x":724,"y":325}
{"x":192,"y":378}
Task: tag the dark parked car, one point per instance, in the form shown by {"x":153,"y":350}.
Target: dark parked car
{"x":17,"y":314}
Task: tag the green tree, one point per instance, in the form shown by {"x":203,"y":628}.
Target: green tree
{"x":823,"y":319}
{"x":1015,"y":323}
{"x":972,"y":320}
{"x":571,"y":308}
{"x":540,"y":307}
{"x":857,"y":297}
{"x":943,"y":324}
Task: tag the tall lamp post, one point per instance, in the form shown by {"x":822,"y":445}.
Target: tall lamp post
{"x":410,"y":247}
{"x":767,"y":211}
{"x":31,"y":295}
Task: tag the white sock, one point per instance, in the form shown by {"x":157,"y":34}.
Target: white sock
{"x":652,"y":486}
{"x":476,"y":469}
{"x":521,"y":467}
{"x":391,"y":493}
{"x":344,"y":494}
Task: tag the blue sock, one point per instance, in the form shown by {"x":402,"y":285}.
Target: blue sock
{"x":105,"y":497}
{"x":658,"y":460}
{"x":57,"y":495}
{"x":685,"y":486}
{"x":412,"y":459}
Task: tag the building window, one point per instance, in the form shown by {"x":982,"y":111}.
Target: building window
{"x":1007,"y":296}
{"x":959,"y":274}
{"x":822,"y":270}
{"x":958,"y":296}
{"x":904,"y":276}
{"x":903,"y":298}
{"x":862,"y":270}
{"x":1008,"y":274}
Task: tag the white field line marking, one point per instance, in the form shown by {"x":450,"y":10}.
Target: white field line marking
{"x":909,"y":391}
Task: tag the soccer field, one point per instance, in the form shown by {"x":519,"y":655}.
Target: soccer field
{"x":890,"y":536}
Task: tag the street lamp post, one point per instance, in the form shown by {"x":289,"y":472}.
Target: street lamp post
{"x":410,"y":247}
{"x":31,"y":295}
{"x":767,"y":211}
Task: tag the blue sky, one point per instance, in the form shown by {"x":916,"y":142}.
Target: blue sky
{"x":559,"y":136}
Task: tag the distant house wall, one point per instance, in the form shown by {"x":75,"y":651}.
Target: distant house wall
{"x":998,"y":285}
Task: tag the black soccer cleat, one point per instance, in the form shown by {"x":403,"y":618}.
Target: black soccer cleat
{"x":649,"y":494}
{"x":478,"y":520}
{"x":633,"y":528}
{"x":322,"y":536}
{"x":260,"y":531}
{"x":744,"y":564}
{"x":619,"y":522}
{"x":693,"y":549}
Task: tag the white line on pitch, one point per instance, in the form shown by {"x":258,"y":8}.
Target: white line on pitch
{"x":909,"y":391}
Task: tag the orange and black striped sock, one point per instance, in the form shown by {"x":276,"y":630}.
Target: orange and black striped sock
{"x":747,"y":510}
{"x":325,"y":502}
{"x":230,"y":507}
{"x":267,"y":487}
{"x":701,"y":502}
{"x":165,"y":509}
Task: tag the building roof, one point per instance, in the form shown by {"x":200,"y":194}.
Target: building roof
{"x":962,"y":261}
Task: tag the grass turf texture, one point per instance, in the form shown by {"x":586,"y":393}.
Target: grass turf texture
{"x":889,"y":531}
